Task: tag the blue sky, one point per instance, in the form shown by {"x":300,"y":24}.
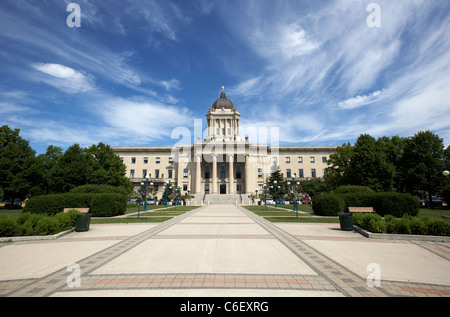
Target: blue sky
{"x":136,"y":70}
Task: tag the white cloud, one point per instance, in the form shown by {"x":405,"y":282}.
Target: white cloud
{"x":64,"y":78}
{"x":359,"y":101}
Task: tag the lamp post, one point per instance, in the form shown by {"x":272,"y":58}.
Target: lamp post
{"x":446,"y":173}
{"x":294,"y":191}
{"x":256,"y":194}
{"x":275,"y":185}
{"x":265,"y":196}
{"x":177,"y":194}
{"x":166,"y":191}
{"x":145,"y":184}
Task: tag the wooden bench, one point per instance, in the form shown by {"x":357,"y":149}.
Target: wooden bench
{"x":82,"y":210}
{"x":360,"y":209}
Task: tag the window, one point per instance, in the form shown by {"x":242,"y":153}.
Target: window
{"x":185,"y":187}
{"x":313,"y":173}
{"x":145,"y":160}
{"x":133,"y":160}
{"x":300,"y":173}
{"x":156,"y":173}
{"x":260,"y":173}
{"x":207,"y":172}
{"x":238,"y":174}
{"x":131,"y":173}
{"x":288,"y":173}
{"x":312,"y":159}
{"x":170,"y":160}
{"x":158,"y":160}
{"x":324,"y":159}
{"x":144,"y":173}
{"x":121,"y":159}
{"x":223,"y":171}
{"x":288,"y":159}
{"x":229,"y":131}
{"x":185,"y":173}
{"x":324,"y":171}
{"x":300,"y":159}
{"x":238,"y":188}
{"x":218,"y":131}
{"x":275,"y":159}
{"x":170,"y":173}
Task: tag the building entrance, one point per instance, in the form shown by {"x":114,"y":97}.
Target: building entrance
{"x":223,"y":189}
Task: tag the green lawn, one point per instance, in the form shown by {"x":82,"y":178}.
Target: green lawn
{"x":280,"y":214}
{"x":437,"y":212}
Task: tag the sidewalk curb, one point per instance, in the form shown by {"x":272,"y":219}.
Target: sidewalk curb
{"x":388,"y":236}
{"x":35,"y":238}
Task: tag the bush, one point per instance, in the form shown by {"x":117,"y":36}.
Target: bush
{"x":8,"y":226}
{"x":348,"y":189}
{"x":99,"y":189}
{"x":28,"y":224}
{"x":328,"y":205}
{"x":405,"y":225}
{"x":101,"y":205}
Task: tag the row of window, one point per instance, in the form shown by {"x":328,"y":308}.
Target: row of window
{"x":157,"y":174}
{"x":312,"y":159}
{"x":287,"y":159}
{"x":223,"y":171}
{"x":145,"y":160}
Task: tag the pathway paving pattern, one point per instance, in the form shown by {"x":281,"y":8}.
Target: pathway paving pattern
{"x":226,"y":251}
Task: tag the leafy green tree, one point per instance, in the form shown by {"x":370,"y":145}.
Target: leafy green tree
{"x":107,"y":167}
{"x":314,"y":186}
{"x":369,"y":165}
{"x":16,"y":161}
{"x":339,"y":164}
{"x":423,"y":163}
{"x":282,"y":186}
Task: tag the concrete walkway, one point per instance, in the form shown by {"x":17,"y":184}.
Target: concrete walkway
{"x":223,"y":250}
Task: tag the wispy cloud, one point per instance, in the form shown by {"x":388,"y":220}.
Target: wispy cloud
{"x":359,"y":101}
{"x":65,"y":78}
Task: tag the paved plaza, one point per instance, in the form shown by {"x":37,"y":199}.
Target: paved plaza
{"x":225,"y":251}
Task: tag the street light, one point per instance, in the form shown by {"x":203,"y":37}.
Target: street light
{"x":446,"y":173}
{"x":294,"y":191}
{"x":256,"y":194}
{"x":275,"y":184}
{"x":166,"y":191}
{"x":147,"y":182}
{"x":265,"y":196}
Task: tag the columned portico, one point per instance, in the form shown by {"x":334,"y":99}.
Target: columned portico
{"x":214,"y":175}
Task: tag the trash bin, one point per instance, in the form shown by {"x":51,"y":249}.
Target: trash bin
{"x":346,"y":221}
{"x":83,"y":221}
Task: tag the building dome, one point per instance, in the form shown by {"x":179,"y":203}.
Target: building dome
{"x":223,"y":103}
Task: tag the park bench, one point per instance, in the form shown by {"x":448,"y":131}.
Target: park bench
{"x":82,"y":210}
{"x":360,"y":209}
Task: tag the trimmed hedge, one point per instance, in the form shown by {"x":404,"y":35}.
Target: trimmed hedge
{"x":405,"y":225}
{"x":347,"y":189}
{"x":28,"y":224}
{"x":100,"y":205}
{"x":393,"y":204}
{"x":99,"y":189}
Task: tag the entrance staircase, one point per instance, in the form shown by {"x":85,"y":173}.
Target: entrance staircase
{"x":202,"y":199}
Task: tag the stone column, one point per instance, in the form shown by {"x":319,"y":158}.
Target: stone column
{"x":198,"y":175}
{"x":214,"y":176}
{"x":231,"y":174}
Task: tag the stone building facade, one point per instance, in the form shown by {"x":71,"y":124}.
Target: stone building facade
{"x":222,"y":163}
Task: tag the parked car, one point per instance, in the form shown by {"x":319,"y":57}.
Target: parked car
{"x":16,"y":204}
{"x":435,"y":201}
{"x":151,"y":201}
{"x":293,"y":201}
{"x":421,"y":201}
{"x":162,"y":201}
{"x":269,"y":201}
{"x":307,"y":201}
{"x":280,"y":201}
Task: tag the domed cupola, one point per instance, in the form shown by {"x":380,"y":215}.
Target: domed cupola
{"x":223,"y":120}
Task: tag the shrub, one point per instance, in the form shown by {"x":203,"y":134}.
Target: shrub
{"x":348,"y":189}
{"x":101,"y":205}
{"x":405,"y":225}
{"x":8,"y":226}
{"x":328,"y":205}
{"x":47,"y":225}
{"x":99,"y":189}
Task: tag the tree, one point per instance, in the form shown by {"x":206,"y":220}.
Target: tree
{"x":107,"y":167}
{"x":423,"y":163}
{"x":339,"y":164}
{"x":16,"y":161}
{"x":282,"y":186}
{"x":369,"y":165}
